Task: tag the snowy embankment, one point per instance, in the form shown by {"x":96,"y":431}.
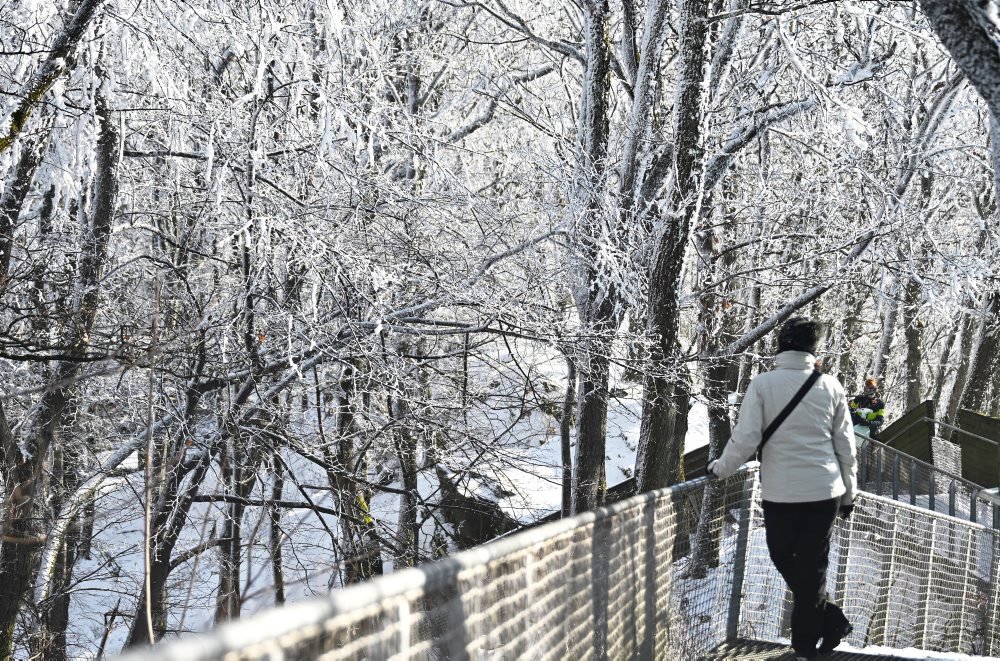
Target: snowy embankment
{"x":537,"y":480}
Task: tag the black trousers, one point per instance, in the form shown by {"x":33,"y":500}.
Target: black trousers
{"x":798,"y":540}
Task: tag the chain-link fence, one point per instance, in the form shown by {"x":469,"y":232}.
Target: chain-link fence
{"x":905,"y":576}
{"x":642,"y":579}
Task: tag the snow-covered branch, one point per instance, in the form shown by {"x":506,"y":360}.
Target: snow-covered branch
{"x":798,"y":302}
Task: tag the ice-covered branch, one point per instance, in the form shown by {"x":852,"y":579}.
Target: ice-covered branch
{"x":797,"y":303}
{"x":55,"y":65}
{"x":486,"y":116}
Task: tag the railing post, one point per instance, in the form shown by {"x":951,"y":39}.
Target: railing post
{"x":880,"y":614}
{"x":458,"y":638}
{"x":740,"y":558}
{"x":992,"y":643}
{"x":931,"y":492}
{"x":974,"y":506}
{"x":840,"y":584}
{"x":878,"y":472}
{"x":862,"y":468}
{"x":952,"y":493}
{"x":895,"y":477}
{"x":404,"y":629}
{"x":970,"y":535}
{"x":924,"y":614}
{"x":913,"y":481}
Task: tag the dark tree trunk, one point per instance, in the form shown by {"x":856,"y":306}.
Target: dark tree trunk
{"x":275,"y":538}
{"x":239,"y":471}
{"x":967,"y":31}
{"x":595,"y":299}
{"x":963,"y":360}
{"x":591,"y":426}
{"x":408,"y":528}
{"x":362,"y":549}
{"x":914,"y":338}
{"x":12,"y":200}
{"x":565,"y":438}
{"x":983,"y":361}
{"x":660,"y":453}
{"x":748,"y":363}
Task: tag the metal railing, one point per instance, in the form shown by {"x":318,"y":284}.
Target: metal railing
{"x":622,"y":582}
{"x":886,"y":471}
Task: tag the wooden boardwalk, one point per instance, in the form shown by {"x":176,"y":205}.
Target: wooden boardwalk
{"x":758,"y":651}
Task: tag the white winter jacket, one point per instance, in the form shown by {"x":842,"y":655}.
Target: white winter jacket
{"x":811,"y":456}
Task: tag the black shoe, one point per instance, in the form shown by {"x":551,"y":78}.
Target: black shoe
{"x":831,"y":641}
{"x":805,"y":653}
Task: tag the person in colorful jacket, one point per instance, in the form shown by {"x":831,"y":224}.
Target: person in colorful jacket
{"x":868,"y":409}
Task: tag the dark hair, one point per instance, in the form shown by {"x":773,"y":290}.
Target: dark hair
{"x":800,"y":334}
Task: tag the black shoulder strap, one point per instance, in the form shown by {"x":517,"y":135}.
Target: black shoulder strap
{"x":785,"y":412}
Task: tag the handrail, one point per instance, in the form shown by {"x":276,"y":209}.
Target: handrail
{"x":943,"y":424}
{"x":967,"y":433}
{"x":921,"y":462}
{"x":976,"y":493}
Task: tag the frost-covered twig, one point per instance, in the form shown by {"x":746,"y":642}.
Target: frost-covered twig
{"x":804,"y":298}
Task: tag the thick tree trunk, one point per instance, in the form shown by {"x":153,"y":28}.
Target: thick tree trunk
{"x":595,"y":298}
{"x":660,"y":452}
{"x":968,"y":30}
{"x":983,"y":361}
{"x":591,"y":427}
{"x":565,"y":438}
{"x":914,"y":337}
{"x":963,"y":360}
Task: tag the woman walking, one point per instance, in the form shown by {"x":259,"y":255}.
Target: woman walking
{"x":808,"y":475}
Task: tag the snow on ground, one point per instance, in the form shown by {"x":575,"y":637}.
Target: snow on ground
{"x":537,"y":479}
{"x":116,"y":565}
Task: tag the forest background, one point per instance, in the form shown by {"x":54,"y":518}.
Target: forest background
{"x":281,"y":280}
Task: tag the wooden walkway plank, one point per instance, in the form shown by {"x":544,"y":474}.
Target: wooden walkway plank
{"x":752,"y":650}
